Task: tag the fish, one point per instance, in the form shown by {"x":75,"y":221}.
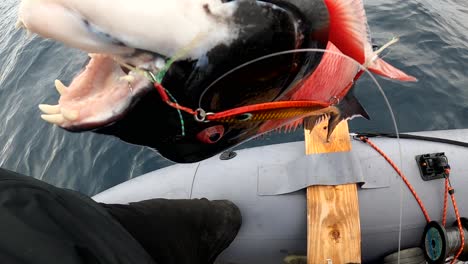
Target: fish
{"x":193,"y":78}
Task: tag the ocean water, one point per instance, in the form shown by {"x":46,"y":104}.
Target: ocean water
{"x":433,"y":47}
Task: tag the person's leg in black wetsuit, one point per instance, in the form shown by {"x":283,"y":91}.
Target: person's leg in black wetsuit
{"x":180,"y":231}
{"x":79,"y":230}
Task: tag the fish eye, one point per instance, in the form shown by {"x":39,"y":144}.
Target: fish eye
{"x":211,"y":135}
{"x":215,"y":137}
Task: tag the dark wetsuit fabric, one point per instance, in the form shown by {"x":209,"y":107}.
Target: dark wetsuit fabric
{"x":42,"y":224}
{"x":180,"y":231}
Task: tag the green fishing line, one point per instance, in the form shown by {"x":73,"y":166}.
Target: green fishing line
{"x":182,"y":122}
{"x":160,"y":76}
{"x":158,"y":79}
{"x":181,"y":53}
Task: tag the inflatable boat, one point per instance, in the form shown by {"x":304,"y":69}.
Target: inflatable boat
{"x":268,"y":185}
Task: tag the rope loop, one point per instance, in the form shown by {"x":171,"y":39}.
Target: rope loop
{"x":449,"y":190}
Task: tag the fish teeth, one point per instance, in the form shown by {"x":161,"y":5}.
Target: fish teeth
{"x":127,"y":78}
{"x":19,"y":24}
{"x":56,"y":119}
{"x":94,"y":55}
{"x":61,"y":88}
{"x":70,"y":115}
{"x":29,"y":34}
{"x":50,"y":109}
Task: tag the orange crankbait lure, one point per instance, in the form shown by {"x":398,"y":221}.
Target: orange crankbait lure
{"x":270,"y":111}
{"x":257,"y":112}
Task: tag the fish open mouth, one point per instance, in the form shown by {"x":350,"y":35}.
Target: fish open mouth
{"x":101,"y":93}
{"x":138,"y":35}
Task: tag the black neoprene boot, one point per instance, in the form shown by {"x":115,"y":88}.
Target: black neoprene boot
{"x":180,"y":231}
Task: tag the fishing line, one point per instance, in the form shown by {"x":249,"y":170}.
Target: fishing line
{"x":162,"y":72}
{"x":380,"y":89}
{"x":137,"y":70}
{"x":362,"y":69}
{"x":442,"y":244}
{"x":454,"y":240}
{"x":377,"y":52}
{"x":181,"y":118}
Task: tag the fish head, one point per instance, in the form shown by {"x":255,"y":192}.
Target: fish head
{"x":205,"y":53}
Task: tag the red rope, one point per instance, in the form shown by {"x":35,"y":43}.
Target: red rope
{"x":444,"y":213}
{"x":165,"y":98}
{"x":460,"y":227}
{"x":451,"y":191}
{"x":448,"y":190}
{"x":403,"y":177}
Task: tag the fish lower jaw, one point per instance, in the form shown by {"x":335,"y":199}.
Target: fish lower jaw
{"x":101,"y":94}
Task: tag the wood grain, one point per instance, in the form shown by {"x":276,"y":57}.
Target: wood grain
{"x":333,"y":231}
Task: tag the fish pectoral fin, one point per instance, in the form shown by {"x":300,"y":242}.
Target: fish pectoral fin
{"x":348,"y":108}
{"x":311,"y":121}
{"x":334,"y":118}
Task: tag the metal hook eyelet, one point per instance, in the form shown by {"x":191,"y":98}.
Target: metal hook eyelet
{"x":334,"y":100}
{"x":200,"y":115}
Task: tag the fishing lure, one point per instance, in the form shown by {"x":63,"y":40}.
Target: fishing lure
{"x":253,"y":113}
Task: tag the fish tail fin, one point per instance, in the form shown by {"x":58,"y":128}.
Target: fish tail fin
{"x":350,"y":33}
{"x":380,"y":67}
{"x":347,"y":109}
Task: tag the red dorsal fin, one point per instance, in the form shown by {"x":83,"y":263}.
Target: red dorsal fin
{"x":381,"y":67}
{"x":348,"y":27}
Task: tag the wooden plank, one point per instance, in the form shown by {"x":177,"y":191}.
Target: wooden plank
{"x":333,"y":231}
{"x":316,"y":139}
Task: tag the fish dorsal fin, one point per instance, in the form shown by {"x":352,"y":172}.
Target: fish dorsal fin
{"x":348,"y":29}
